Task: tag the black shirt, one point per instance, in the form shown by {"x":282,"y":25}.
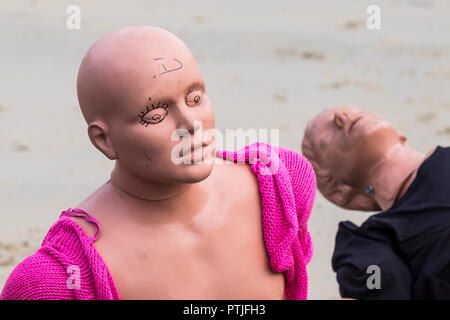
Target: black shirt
{"x":410,"y":242}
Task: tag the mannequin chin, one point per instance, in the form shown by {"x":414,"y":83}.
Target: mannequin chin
{"x":353,"y":150}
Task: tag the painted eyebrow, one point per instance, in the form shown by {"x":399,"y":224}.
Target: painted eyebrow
{"x":196,"y":85}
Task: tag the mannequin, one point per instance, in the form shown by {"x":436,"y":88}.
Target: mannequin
{"x":169,"y":229}
{"x":364,"y":163}
{"x":149,"y":198}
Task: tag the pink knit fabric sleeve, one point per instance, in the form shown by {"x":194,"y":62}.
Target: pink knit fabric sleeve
{"x":303,"y":182}
{"x":287,"y":186}
{"x":45,"y":274}
{"x":296,"y":184}
{"x":66,"y":267}
{"x":39,"y":277}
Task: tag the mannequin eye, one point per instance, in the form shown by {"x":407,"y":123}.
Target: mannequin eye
{"x":154,"y":114}
{"x":194,"y":98}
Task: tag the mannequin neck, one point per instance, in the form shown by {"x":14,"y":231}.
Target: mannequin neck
{"x":149,"y":202}
{"x":133,"y":186}
{"x":392,"y":176}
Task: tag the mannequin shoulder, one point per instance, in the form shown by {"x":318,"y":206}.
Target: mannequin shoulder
{"x":88,"y":227}
{"x":92,"y":205}
{"x":232,"y":175}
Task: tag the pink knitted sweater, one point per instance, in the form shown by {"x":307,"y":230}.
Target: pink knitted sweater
{"x":67,"y":266}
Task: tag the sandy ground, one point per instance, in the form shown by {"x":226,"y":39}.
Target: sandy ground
{"x":267,"y":64}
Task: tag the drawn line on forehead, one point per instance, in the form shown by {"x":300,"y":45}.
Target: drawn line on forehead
{"x":165,"y":69}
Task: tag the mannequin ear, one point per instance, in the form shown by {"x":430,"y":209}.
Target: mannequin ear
{"x":98,"y":134}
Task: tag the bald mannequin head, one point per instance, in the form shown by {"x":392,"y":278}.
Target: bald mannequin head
{"x":122,"y":65}
{"x":352,"y":149}
{"x":136,"y":87}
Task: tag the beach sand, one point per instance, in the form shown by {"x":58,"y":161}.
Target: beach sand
{"x":267,"y":65}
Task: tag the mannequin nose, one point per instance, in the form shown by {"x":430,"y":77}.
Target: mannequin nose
{"x":340,"y":118}
{"x":187,"y":121}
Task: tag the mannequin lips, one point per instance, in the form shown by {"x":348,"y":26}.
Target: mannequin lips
{"x":193,"y":150}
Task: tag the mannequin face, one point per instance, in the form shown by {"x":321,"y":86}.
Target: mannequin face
{"x":142,"y":132}
{"x":351,"y":141}
{"x":137,"y":87}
